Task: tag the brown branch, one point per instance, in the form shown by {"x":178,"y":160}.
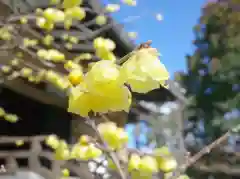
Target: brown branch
{"x":142,"y":45}
{"x":200,"y":154}
{"x":207,"y":149}
{"x":12,"y":139}
{"x":7,"y":46}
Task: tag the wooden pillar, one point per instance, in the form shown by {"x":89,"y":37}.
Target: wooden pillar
{"x":56,"y":169}
{"x":33,"y":160}
{"x":11,"y":165}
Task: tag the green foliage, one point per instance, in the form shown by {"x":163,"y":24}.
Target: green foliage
{"x":217,"y":41}
{"x":236,"y":129}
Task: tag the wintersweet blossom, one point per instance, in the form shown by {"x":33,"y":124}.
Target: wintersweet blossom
{"x":104,"y":77}
{"x":101,"y":91}
{"x":144,"y":72}
{"x":81,"y":101}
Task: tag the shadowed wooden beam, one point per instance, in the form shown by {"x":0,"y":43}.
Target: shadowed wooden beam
{"x":19,"y":86}
{"x":231,"y":170}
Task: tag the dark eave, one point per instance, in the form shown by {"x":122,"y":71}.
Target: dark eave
{"x":157,"y":95}
{"x":123,"y":41}
{"x":118,"y":35}
{"x":172,"y":93}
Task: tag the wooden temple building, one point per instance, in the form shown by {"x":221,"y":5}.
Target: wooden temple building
{"x":41,"y":107}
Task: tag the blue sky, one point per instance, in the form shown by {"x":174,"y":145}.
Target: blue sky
{"x":142,"y":139}
{"x":173,"y":35}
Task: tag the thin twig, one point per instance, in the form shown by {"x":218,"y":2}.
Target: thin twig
{"x":207,"y":149}
{"x":201,"y":153}
{"x":142,"y":45}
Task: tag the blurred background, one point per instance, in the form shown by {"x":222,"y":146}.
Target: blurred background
{"x":199,"y":42}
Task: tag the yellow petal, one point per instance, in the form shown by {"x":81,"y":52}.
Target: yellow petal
{"x":143,"y":71}
{"x":71,"y":3}
{"x":79,"y":102}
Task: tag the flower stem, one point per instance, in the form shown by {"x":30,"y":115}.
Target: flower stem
{"x":126,"y":57}
{"x":111,"y":153}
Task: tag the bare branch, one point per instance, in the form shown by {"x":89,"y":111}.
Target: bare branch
{"x":207,"y":149}
{"x":201,"y":153}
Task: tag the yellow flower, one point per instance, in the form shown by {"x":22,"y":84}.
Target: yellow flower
{"x":103,"y":44}
{"x":130,"y":2}
{"x":166,"y":161}
{"x":119,"y":99}
{"x":112,"y":8}
{"x":143,"y":71}
{"x":167,"y":165}
{"x":115,"y":137}
{"x":75,"y":76}
{"x":104,"y":78}
{"x":71,"y":3}
{"x":78,"y":102}
{"x":19,"y":142}
{"x":102,"y":88}
{"x":82,"y":101}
